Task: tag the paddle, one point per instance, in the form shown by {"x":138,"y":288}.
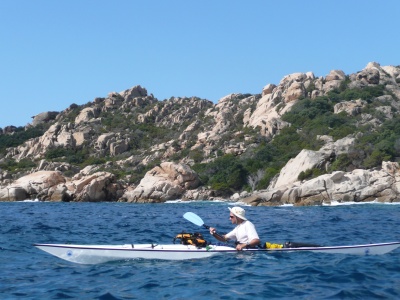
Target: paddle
{"x":195,"y":219}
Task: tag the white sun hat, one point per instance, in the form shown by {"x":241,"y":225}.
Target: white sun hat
{"x":238,"y":212}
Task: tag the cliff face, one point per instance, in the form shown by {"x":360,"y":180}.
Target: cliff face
{"x":130,"y":131}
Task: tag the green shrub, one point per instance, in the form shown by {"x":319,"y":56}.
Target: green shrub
{"x":8,"y":164}
{"x":224,"y":172}
{"x":57,"y":152}
{"x":26,"y":163}
{"x":71,"y":156}
{"x":94,"y":161}
{"x":309,"y":174}
{"x":197,"y":155}
{"x":270,"y":173}
{"x":20,"y":136}
{"x":12,"y":165}
{"x":380,"y":146}
{"x":341,"y":163}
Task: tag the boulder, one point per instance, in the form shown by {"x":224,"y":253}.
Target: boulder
{"x":369,"y":75}
{"x":309,"y":159}
{"x":96,"y":187}
{"x":335,"y":75}
{"x":81,"y":137}
{"x":86,"y":114}
{"x":104,"y":141}
{"x":268,"y":89}
{"x":136,"y":91}
{"x":35,"y":185}
{"x":295,"y":91}
{"x":306,"y":159}
{"x":165,"y":182}
{"x":13,"y":193}
{"x":118,"y":147}
{"x":9,"y":129}
{"x":52,"y":186}
{"x":44,"y":117}
{"x":352,"y":108}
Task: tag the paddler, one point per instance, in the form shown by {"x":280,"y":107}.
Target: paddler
{"x":244,"y":233}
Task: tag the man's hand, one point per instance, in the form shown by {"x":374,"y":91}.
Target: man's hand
{"x":240,"y":247}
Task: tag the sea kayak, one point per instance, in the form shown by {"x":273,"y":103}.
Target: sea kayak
{"x":95,"y":254}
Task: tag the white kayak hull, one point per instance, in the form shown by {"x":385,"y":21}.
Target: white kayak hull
{"x":95,"y":254}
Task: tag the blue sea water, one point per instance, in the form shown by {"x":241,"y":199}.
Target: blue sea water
{"x":28,"y":273}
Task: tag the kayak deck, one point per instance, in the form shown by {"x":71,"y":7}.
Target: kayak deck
{"x":365,"y":249}
{"x":94,"y":254}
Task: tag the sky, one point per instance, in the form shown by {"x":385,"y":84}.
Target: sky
{"x":55,"y":53}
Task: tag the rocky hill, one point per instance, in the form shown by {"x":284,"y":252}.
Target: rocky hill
{"x":304,"y":141}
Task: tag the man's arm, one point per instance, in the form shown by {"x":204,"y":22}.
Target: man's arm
{"x":221,"y":238}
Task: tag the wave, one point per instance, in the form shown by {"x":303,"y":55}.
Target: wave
{"x":30,"y":200}
{"x":337,"y":203}
{"x":240,"y":203}
{"x":227,"y":202}
{"x":195,"y":201}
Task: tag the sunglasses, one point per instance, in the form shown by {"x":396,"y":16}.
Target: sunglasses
{"x":231,"y":217}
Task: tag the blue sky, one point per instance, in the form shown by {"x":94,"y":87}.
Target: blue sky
{"x":55,"y":53}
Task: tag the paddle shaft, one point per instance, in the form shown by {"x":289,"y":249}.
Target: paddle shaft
{"x":216,"y":234}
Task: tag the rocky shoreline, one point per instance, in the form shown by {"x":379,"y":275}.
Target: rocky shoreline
{"x":171,"y":181}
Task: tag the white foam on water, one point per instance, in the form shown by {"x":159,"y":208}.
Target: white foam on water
{"x":239,"y":203}
{"x":337,"y":203}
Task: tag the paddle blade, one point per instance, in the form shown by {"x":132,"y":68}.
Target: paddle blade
{"x":195,"y":219}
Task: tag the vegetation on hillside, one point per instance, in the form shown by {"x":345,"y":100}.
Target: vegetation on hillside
{"x":309,"y":118}
{"x":19,"y":136}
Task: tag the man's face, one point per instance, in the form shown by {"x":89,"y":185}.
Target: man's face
{"x":232,"y":217}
